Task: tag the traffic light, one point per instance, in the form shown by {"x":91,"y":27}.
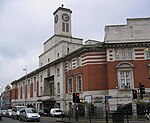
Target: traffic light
{"x":76,"y":97}
{"x":134,"y":94}
{"x":142,"y":90}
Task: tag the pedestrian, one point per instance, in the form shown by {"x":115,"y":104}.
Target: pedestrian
{"x":147,"y":116}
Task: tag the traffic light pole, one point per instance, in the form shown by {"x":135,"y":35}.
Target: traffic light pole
{"x":76,"y":100}
{"x":106,"y":107}
{"x":142,"y":90}
{"x":134,"y":109}
{"x":134,"y":94}
{"x":76,"y":111}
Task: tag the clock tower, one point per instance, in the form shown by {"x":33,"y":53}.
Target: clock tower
{"x":62,"y":21}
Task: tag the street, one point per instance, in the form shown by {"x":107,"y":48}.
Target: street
{"x":54,"y":120}
{"x":43,"y":120}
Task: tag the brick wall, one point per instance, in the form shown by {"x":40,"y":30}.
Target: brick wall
{"x":94,"y":77}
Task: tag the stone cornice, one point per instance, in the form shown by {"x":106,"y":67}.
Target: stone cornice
{"x":130,"y":44}
{"x":64,"y":36}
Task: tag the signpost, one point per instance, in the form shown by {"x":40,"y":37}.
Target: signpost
{"x":106,"y":106}
{"x":88,"y":99}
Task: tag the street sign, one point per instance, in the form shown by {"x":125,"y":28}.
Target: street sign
{"x":88,"y":98}
{"x":108,"y":97}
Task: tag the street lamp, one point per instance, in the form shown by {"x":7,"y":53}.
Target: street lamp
{"x":25,"y":69}
{"x":117,"y":96}
{"x":1,"y":88}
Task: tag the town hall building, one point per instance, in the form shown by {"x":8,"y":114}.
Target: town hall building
{"x":93,"y":69}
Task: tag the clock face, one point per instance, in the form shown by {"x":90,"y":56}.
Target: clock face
{"x":65,"y":17}
{"x":56,"y":19}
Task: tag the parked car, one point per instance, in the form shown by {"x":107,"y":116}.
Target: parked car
{"x":3,"y":113}
{"x":9,"y":113}
{"x":44,"y":112}
{"x":15,"y":111}
{"x":56,"y":112}
{"x":29,"y":114}
{"x":0,"y":115}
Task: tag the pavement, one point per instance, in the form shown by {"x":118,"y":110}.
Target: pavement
{"x":72,"y":120}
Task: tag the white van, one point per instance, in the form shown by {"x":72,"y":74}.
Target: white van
{"x":16,"y":111}
{"x":56,"y":112}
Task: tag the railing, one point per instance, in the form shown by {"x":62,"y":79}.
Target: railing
{"x":113,"y":117}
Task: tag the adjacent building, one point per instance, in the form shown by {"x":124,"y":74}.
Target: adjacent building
{"x":6,"y":98}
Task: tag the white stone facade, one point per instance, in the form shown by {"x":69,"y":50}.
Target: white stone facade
{"x":55,"y":48}
{"x":136,"y":30}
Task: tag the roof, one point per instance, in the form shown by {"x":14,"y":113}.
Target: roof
{"x":62,"y":9}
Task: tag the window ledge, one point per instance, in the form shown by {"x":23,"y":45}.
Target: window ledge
{"x":124,"y":89}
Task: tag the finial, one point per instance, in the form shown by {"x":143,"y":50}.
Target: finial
{"x":62,"y":5}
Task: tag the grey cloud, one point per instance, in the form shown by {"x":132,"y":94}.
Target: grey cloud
{"x":25,"y":26}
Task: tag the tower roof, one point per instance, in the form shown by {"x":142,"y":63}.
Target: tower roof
{"x":62,"y":9}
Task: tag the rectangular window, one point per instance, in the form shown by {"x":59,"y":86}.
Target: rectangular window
{"x":123,"y":54}
{"x":70,"y":65}
{"x":48,"y":72}
{"x":41,"y":77}
{"x":78,"y":61}
{"x":63,"y":26}
{"x":70,"y":85}
{"x":67,"y":27}
{"x":19,"y":90}
{"x":23,"y":88}
{"x":125,"y":79}
{"x":41,"y":91}
{"x":57,"y":55}
{"x":58,"y":72}
{"x":79,"y":83}
{"x":28,"y":88}
{"x":116,"y":53}
{"x":58,"y":88}
{"x":34,"y":84}
{"x":147,"y":53}
{"x":130,"y":53}
{"x":48,"y":60}
{"x":51,"y":86}
{"x":67,"y":50}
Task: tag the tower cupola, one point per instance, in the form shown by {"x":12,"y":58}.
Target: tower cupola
{"x":62,"y":21}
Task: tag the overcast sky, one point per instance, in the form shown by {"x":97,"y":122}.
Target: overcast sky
{"x":26,"y":24}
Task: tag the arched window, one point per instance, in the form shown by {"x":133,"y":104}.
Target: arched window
{"x":125,"y":75}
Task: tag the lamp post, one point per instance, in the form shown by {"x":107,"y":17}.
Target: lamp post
{"x":25,"y":69}
{"x":1,"y":87}
{"x":117,"y":96}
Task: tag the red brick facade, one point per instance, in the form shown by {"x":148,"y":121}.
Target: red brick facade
{"x":140,"y":70}
{"x":15,"y":91}
{"x":94,"y":77}
{"x":101,"y":74}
